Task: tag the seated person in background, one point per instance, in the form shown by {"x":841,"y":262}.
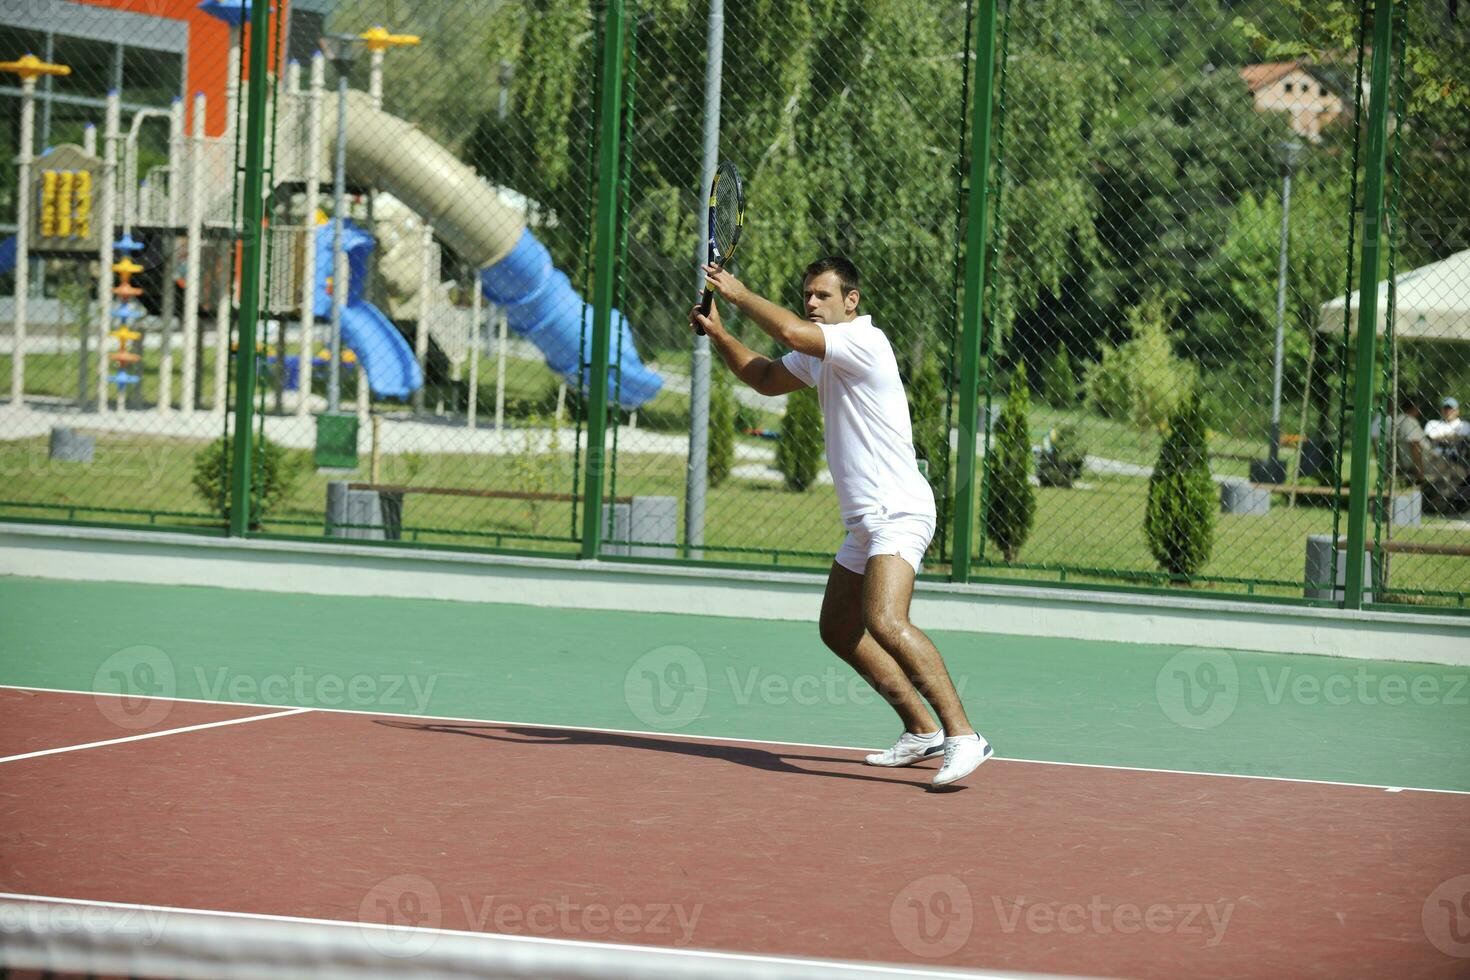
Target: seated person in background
{"x":1448,"y":432}
{"x":1447,"y":467}
{"x":1408,"y":442}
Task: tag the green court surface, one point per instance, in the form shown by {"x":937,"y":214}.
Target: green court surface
{"x":1139,"y":704}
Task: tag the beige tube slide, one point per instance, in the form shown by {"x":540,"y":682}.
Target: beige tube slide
{"x":467,"y":213}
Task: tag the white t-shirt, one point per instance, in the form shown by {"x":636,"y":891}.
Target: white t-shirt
{"x":870,"y":441}
{"x":1440,"y":429}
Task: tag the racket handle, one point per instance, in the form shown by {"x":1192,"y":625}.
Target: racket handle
{"x":704,"y":307}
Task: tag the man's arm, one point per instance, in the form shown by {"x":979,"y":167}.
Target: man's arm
{"x":783,"y":326}
{"x":769,"y":377}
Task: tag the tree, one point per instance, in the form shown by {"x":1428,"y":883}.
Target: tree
{"x":1060,"y":83}
{"x":1142,"y":380}
{"x":1233,"y":336}
{"x":722,"y":409}
{"x":928,"y":399}
{"x":1169,"y":185}
{"x":1059,"y":384}
{"x":274,"y":473}
{"x":1179,"y":521}
{"x":1011,"y":500}
{"x":799,"y":450}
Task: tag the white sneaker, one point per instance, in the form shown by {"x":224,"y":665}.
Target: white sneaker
{"x":962,"y":756}
{"x":909,"y":748}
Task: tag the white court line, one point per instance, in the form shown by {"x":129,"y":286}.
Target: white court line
{"x":160,"y":734}
{"x":755,"y":959}
{"x":757,"y":741}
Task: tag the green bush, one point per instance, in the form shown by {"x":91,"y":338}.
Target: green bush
{"x":799,"y":450}
{"x":1062,"y":457}
{"x":722,"y":410}
{"x":275,"y":473}
{"x":1180,"y":518}
{"x":927,"y":401}
{"x":1010,"y":507}
{"x":1141,"y":380}
{"x":1058,"y":383}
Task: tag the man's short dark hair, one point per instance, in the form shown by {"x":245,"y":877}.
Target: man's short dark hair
{"x":847,"y":273}
{"x":1407,"y":403}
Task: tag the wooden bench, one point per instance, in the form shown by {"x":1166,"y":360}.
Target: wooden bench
{"x":1411,"y":548}
{"x":564,"y":498}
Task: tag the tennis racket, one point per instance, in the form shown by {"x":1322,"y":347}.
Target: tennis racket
{"x":726,"y":217}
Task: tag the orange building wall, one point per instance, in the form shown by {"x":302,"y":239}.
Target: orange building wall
{"x":209,"y":45}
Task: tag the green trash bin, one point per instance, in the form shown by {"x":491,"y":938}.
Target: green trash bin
{"x":336,"y":441}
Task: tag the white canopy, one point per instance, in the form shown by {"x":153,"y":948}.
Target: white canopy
{"x":1431,"y":302}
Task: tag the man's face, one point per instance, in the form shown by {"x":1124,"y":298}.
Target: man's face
{"x":825,"y":301}
{"x":1449,"y":412}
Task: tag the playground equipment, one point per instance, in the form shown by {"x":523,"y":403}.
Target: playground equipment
{"x":191,"y":198}
{"x":29,"y":68}
{"x":126,"y":310}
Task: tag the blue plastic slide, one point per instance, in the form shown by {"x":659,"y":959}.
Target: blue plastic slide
{"x":392,"y":370}
{"x":542,"y":307}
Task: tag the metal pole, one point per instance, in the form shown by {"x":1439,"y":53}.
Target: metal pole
{"x":977,"y":237}
{"x":23,"y":240}
{"x":477,"y":337}
{"x":50,"y":90}
{"x":106,"y":221}
{"x":170,"y":253}
{"x":308,"y":249}
{"x":697,"y":479}
{"x":253,"y":247}
{"x":605,"y":257}
{"x":1274,"y":449}
{"x":1359,"y":491}
{"x":375,"y":77}
{"x":426,"y":292}
{"x":339,"y":255}
{"x":193,"y":260}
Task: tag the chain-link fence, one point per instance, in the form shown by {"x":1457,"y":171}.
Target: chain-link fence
{"x":1178,"y":199}
{"x":1164,"y":360}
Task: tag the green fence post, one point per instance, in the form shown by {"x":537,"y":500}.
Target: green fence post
{"x":604,"y":261}
{"x":252,"y":241}
{"x":1359,"y":492}
{"x":977,"y":237}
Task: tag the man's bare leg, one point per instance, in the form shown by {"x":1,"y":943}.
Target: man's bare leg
{"x":888,"y":588}
{"x":843,"y":632}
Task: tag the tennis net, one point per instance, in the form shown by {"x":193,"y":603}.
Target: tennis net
{"x":113,"y":939}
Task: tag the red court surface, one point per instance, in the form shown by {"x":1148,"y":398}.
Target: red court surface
{"x":741,"y":847}
{"x":34,"y":721}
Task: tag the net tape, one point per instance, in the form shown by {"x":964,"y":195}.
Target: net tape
{"x":100,"y":938}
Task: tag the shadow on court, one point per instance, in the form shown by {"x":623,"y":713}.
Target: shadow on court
{"x":755,"y":758}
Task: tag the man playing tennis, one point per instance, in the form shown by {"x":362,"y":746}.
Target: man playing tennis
{"x":886,"y":503}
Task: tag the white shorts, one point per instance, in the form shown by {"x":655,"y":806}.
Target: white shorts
{"x":882,"y":533}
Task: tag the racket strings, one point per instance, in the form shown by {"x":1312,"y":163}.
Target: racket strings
{"x":728,"y":207}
